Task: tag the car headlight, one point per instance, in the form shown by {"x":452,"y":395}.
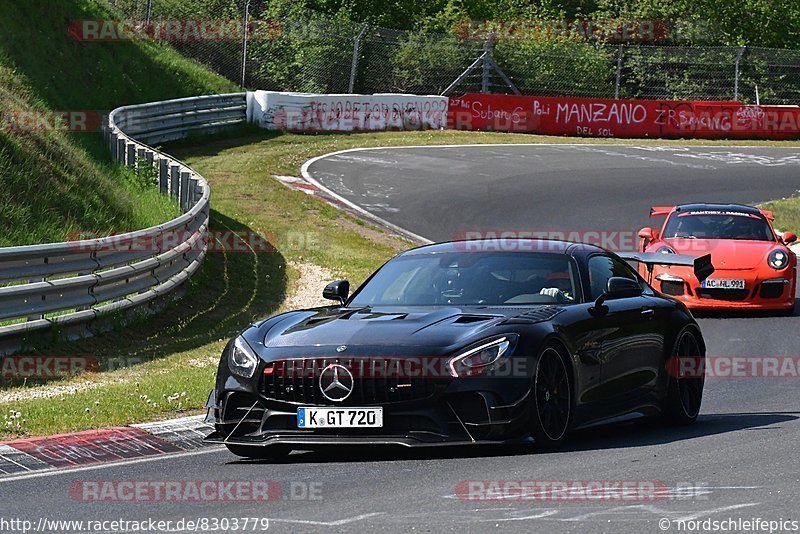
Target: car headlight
{"x":778,"y":259}
{"x":477,"y":360}
{"x":665,"y":250}
{"x":241,"y":359}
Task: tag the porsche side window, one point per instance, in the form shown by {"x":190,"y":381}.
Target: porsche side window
{"x":601,"y":268}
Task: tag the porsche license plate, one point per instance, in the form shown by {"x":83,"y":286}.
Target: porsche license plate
{"x":723,"y":283}
{"x":308,"y":417}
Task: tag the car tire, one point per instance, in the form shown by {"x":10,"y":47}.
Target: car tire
{"x":551,"y":398}
{"x":684,"y":393}
{"x":260,"y":453}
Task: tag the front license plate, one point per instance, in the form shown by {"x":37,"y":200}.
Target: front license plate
{"x":339,"y":417}
{"x":722,"y":283}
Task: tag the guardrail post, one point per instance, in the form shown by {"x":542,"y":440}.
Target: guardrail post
{"x":40,"y":315}
{"x":163,"y":176}
{"x":149,"y":157}
{"x":139,"y":157}
{"x":131,"y":158}
{"x":174,"y":179}
{"x":121,"y":151}
{"x":112,"y":143}
{"x":194,"y":186}
{"x":184,"y":198}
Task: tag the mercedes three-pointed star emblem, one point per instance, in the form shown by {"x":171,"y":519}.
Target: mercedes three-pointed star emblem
{"x":336,"y":382}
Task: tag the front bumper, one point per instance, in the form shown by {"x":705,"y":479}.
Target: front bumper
{"x":463,"y":412}
{"x":763,"y":290}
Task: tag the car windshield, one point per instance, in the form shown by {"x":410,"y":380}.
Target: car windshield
{"x":471,"y":278}
{"x":718,"y":225}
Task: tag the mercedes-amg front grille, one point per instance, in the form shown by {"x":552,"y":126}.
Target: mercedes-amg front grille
{"x":374,"y":381}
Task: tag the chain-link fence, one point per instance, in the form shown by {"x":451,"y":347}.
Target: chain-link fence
{"x":333,"y":56}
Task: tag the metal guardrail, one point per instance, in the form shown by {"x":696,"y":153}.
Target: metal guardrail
{"x":72,"y":283}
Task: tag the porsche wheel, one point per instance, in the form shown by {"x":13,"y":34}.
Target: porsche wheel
{"x":552,"y":398}
{"x":685,"y":389}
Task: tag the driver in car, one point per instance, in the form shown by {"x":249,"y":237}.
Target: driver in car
{"x":562,"y":286}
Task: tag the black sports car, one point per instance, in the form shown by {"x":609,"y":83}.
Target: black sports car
{"x":463,"y":342}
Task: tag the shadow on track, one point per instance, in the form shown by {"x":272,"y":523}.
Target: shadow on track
{"x":642,"y":433}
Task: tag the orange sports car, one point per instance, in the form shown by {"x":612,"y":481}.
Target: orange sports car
{"x":754,"y":268}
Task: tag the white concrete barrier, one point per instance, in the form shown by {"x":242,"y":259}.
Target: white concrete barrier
{"x":307,"y":112}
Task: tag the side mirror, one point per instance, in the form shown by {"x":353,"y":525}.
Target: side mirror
{"x":647,"y":233}
{"x":788,"y":237}
{"x":618,"y":288}
{"x":647,"y":236}
{"x":622,"y":288}
{"x":338,"y":290}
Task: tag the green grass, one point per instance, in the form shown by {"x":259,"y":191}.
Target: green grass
{"x":177,"y":351}
{"x":56,"y":184}
{"x":787,"y":213}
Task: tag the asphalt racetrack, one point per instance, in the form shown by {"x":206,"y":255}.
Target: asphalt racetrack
{"x":739,"y":462}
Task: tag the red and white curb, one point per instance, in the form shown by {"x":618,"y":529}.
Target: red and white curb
{"x":101,"y":446}
{"x":294,"y":182}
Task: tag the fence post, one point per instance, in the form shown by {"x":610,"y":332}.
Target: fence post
{"x":245,"y":35}
{"x":620,"y":51}
{"x":488,"y":60}
{"x":356,"y":57}
{"x":736,"y":76}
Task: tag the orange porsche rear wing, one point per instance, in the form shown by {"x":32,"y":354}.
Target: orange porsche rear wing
{"x":658,"y":211}
{"x":768,"y":214}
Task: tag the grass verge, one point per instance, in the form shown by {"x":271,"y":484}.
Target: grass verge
{"x":46,"y":169}
{"x":164,"y":366}
{"x":787,"y":213}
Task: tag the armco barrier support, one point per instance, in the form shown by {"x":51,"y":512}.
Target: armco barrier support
{"x":72,"y":283}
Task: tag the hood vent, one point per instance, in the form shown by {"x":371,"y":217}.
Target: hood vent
{"x":545,"y":313}
{"x":471,"y":319}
